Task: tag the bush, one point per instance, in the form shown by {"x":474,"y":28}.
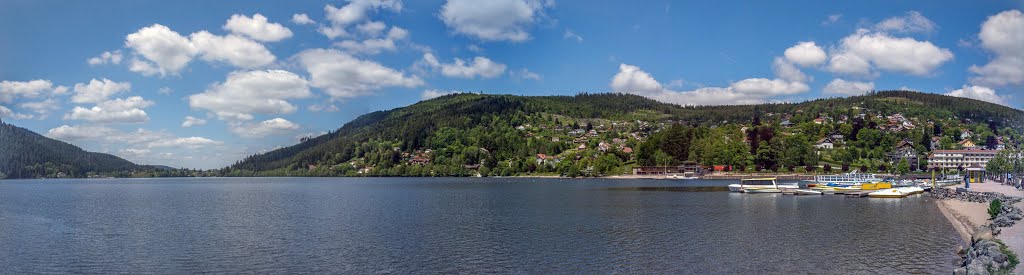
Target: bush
{"x":994,"y":208}
{"x":827,"y":168}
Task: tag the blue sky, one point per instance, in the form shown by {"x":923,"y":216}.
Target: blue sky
{"x":201,"y":84}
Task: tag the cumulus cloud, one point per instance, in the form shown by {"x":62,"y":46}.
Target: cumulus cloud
{"x":864,"y":50}
{"x":480,"y":67}
{"x":784,"y":69}
{"x":10,"y":90}
{"x":42,"y":108}
{"x":431,"y":93}
{"x":10,"y":114}
{"x":805,"y":54}
{"x":375,"y":45}
{"x":188,"y":142}
{"x":232,"y":49}
{"x":165,"y":51}
{"x":525,"y":74}
{"x":1003,"y":35}
{"x":631,"y":79}
{"x":979,"y":93}
{"x":257,"y":27}
{"x":276,"y":126}
{"x":831,"y":19}
{"x":913,"y":21}
{"x":325,"y":107}
{"x":192,"y":121}
{"x":98,"y":90}
{"x":302,"y":19}
{"x":341,"y":75}
{"x":353,"y":12}
{"x":127,"y":110}
{"x":245,"y":93}
{"x":503,"y":20}
{"x":107,"y":57}
{"x":373,"y":28}
{"x":839,"y":86}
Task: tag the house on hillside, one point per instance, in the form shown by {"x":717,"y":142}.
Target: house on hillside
{"x":967,"y":144}
{"x":786,"y":123}
{"x":905,"y":151}
{"x":936,"y":143}
{"x":966,"y":134}
{"x":824,"y":143}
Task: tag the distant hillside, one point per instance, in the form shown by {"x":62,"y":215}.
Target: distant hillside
{"x":392,"y":139}
{"x":25,"y":154}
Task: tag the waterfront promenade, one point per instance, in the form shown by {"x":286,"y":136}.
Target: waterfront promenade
{"x":966,"y":216}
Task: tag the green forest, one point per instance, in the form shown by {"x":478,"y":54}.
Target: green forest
{"x":609,"y":134}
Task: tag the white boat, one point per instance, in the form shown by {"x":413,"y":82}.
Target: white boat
{"x":846,"y":179}
{"x":806,"y":192}
{"x":762,"y":183}
{"x":763,"y":190}
{"x":685,"y":176}
{"x":890,"y":193}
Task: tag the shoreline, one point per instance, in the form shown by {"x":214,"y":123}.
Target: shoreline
{"x":968,"y":217}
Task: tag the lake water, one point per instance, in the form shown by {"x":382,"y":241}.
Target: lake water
{"x":457,"y":225}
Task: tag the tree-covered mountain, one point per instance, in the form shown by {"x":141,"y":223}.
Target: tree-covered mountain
{"x":467,"y":134}
{"x":25,"y":154}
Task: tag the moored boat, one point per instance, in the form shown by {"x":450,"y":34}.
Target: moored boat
{"x":846,"y":179}
{"x":806,"y":192}
{"x":760,"y":183}
{"x":889,"y":193}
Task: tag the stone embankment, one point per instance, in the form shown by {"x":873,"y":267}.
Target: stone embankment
{"x":986,"y":254}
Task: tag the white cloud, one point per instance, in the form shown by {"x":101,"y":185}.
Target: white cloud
{"x":166,"y":52}
{"x":353,"y":12}
{"x":480,"y":66}
{"x":302,"y":19}
{"x":98,"y":90}
{"x":431,"y":93}
{"x":863,"y":50}
{"x":806,"y":54}
{"x":831,"y":19}
{"x":786,"y":70}
{"x":912,"y":22}
{"x":10,"y":90}
{"x":257,"y":27}
{"x":165,"y":90}
{"x":839,"y":86}
{"x":235,"y":50}
{"x":10,"y":114}
{"x":119,"y":110}
{"x":42,"y":108}
{"x":979,"y":93}
{"x":373,"y":28}
{"x":106,"y":58}
{"x":329,"y":108}
{"x":1003,"y":35}
{"x":572,"y":35}
{"x":71,"y":133}
{"x":341,"y":75}
{"x":503,"y":20}
{"x":192,"y":121}
{"x":631,"y":79}
{"x":526,"y":74}
{"x":188,"y":142}
{"x":759,"y":87}
{"x":276,"y":126}
{"x":245,"y":93}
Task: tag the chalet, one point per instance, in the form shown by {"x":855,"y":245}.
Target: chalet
{"x":603,"y":147}
{"x":905,"y":151}
{"x":582,"y":147}
{"x":837,"y":137}
{"x":419,"y":160}
{"x":824,"y":143}
{"x":626,"y":150}
{"x":966,"y":134}
{"x":577,"y":132}
{"x":936,"y":143}
{"x":967,"y":144}
{"x":786,"y":123}
{"x":819,"y":120}
{"x":999,"y":144}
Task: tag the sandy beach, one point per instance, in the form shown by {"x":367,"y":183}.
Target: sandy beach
{"x":965,"y":216}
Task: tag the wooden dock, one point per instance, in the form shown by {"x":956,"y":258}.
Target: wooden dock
{"x":859,"y":194}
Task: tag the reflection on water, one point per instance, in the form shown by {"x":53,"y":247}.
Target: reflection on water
{"x":403,"y":225}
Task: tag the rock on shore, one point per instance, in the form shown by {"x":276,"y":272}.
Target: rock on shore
{"x":984,"y":255}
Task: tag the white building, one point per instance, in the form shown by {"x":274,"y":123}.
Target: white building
{"x":951,"y":159}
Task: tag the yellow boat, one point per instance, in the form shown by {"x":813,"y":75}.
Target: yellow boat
{"x":876,"y":186}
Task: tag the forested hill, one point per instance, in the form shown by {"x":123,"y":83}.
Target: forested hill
{"x":435,"y":137}
{"x":25,"y":154}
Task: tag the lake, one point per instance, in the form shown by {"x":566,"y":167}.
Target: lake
{"x":457,"y":225}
